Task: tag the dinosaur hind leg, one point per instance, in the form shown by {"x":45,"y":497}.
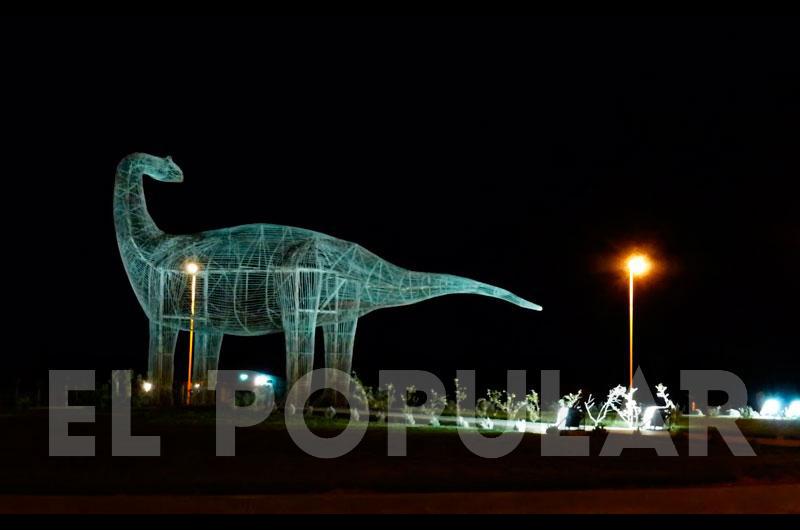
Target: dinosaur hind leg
{"x":160,"y":369}
{"x":339,"y":339}
{"x":299,"y":302}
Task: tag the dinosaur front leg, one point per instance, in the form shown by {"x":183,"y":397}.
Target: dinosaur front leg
{"x":161,"y":360}
{"x":206,"y":351}
{"x":299,"y":301}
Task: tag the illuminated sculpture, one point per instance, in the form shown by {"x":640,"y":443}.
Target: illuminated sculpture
{"x":256,"y":279}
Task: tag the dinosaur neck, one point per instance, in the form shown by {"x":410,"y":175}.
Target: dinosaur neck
{"x":133,"y":223}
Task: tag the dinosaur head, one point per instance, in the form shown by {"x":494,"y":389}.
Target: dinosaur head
{"x":164,"y":169}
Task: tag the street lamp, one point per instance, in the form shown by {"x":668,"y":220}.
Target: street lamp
{"x":191,"y":268}
{"x":637,"y":265}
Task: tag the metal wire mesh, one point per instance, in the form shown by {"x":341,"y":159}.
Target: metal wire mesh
{"x":257,"y":279}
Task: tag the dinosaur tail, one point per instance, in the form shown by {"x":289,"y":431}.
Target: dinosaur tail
{"x":419,"y":286}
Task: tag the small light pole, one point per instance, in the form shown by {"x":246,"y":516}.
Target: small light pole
{"x":191,"y":268}
{"x":637,"y":265}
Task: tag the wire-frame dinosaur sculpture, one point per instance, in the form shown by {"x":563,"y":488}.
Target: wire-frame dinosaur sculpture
{"x":256,"y":279}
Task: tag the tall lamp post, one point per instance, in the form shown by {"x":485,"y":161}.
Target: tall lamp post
{"x":638,"y":265}
{"x":191,"y":268}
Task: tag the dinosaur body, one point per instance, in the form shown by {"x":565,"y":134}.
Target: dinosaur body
{"x":257,"y":279}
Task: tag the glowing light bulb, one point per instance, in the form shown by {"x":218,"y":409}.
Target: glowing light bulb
{"x":147,"y":386}
{"x":191,"y":267}
{"x":638,"y":264}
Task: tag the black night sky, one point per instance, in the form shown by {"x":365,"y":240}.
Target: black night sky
{"x":527,"y":153}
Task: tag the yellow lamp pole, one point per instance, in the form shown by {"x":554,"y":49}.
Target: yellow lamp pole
{"x":630,"y":331}
{"x":637,"y":265}
{"x":192,"y":269}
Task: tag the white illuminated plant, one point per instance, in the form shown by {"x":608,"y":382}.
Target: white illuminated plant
{"x":747,"y":412}
{"x":532,"y":406}
{"x":434,"y":404}
{"x":409,"y":396}
{"x":461,"y":395}
{"x":361,"y":393}
{"x":626,"y":408}
{"x":651,"y":411}
{"x":613,"y":399}
{"x":388,"y":397}
{"x":482,"y":408}
{"x":382,"y":401}
{"x":661,"y":391}
{"x":378,"y":401}
{"x":508,"y":405}
{"x":565,"y":404}
{"x":571,"y":400}
{"x":497,"y":400}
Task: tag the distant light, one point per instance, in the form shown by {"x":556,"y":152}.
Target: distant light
{"x":771,"y":408}
{"x":261,"y":380}
{"x":638,"y":264}
{"x":243,"y":377}
{"x":793,"y":410}
{"x":197,"y":385}
{"x":191,"y":267}
{"x":147,"y":386}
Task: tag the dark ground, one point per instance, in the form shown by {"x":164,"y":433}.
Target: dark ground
{"x":267,"y":461}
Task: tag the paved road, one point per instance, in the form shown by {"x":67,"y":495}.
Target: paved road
{"x":783,"y":498}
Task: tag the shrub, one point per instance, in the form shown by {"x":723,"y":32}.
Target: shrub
{"x":747,"y":412}
{"x":433,"y":403}
{"x":460,"y":395}
{"x":379,"y":401}
{"x":507,"y":404}
{"x":532,"y":406}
